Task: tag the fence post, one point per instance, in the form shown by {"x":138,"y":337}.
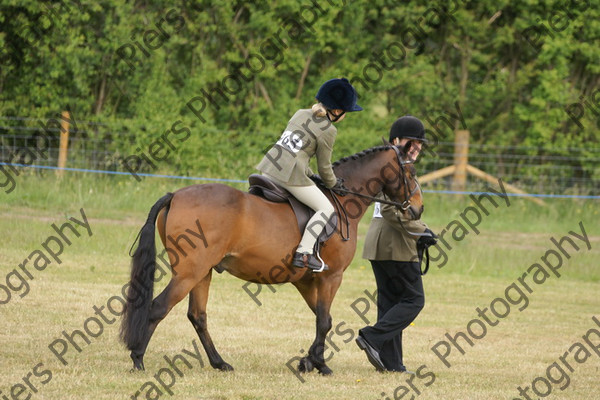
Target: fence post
{"x":461,"y":159}
{"x":64,"y":143}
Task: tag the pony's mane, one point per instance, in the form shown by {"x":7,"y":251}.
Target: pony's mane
{"x":361,"y":154}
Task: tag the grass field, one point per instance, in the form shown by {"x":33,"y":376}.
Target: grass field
{"x":543,"y":326}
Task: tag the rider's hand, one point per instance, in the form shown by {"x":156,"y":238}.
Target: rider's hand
{"x":316,"y":179}
{"x":339,"y":187}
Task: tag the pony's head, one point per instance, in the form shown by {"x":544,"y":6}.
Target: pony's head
{"x":401,"y":185}
{"x":384,"y":169}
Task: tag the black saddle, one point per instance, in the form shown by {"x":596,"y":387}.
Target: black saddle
{"x":263,"y":187}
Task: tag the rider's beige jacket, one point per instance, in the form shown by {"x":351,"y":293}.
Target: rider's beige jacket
{"x":305,"y":136}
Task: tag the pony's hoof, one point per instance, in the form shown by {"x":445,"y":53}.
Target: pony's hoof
{"x":137,"y":368}
{"x":138,"y":362}
{"x":224,"y":367}
{"x":305,"y":365}
{"x":325,"y":370}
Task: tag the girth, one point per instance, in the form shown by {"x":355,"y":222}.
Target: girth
{"x":263,"y":187}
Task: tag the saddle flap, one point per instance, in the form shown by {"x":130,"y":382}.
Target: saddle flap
{"x":263,"y":187}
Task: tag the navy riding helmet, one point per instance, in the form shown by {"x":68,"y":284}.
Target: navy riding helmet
{"x":338,"y":94}
{"x":408,"y":127}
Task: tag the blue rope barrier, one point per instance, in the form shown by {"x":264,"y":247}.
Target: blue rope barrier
{"x":556,"y":196}
{"x":193,"y":178}
{"x":95,"y":171}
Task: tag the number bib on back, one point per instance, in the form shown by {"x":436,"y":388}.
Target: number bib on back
{"x":291,"y":141}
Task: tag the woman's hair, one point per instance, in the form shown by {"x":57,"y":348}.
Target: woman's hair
{"x":319,"y":110}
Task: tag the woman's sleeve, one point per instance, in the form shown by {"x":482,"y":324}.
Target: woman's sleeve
{"x":325,"y":143}
{"x":394,"y":217}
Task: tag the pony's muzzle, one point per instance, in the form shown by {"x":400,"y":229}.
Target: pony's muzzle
{"x":414,"y":212}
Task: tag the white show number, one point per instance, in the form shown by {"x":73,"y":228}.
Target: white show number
{"x":377,"y":210}
{"x":291,"y":140}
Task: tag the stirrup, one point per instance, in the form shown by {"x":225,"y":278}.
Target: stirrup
{"x":324,"y":266}
{"x":308,"y":260}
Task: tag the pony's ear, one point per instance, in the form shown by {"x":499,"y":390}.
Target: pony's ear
{"x":385,"y":142}
{"x":406,"y":148}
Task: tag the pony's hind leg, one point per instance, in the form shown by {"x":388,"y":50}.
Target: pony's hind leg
{"x":197,"y":316}
{"x":175,"y":291}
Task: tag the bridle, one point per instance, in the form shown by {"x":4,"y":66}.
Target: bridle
{"x":407,"y":195}
{"x":404,"y":206}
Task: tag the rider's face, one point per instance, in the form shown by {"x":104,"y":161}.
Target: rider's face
{"x":336,"y":113}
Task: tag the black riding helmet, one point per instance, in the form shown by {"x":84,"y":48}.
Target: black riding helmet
{"x":408,"y":127}
{"x":338,"y":94}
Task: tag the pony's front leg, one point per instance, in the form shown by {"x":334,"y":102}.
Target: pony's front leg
{"x":315,"y":353}
{"x":319,"y":295}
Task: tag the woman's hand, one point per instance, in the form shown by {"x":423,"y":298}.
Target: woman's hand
{"x":339,"y":187}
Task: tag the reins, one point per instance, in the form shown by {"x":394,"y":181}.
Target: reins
{"x":406,"y":203}
{"x":373,"y":198}
{"x":339,"y":209}
{"x":338,"y":206}
{"x":404,"y":206}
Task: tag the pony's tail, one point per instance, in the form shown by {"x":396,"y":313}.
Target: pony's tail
{"x":136,"y":314}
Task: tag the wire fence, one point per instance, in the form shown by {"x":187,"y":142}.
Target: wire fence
{"x":544,"y":170}
{"x":94,"y":146}
{"x":31,"y":141}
